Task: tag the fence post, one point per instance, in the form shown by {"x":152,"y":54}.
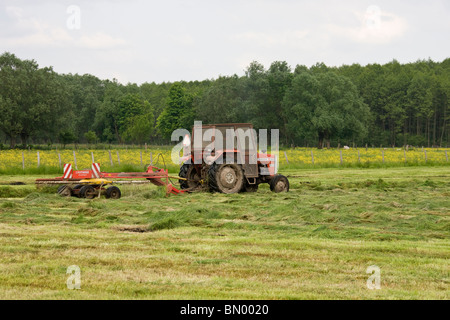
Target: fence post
{"x":110,"y":158}
{"x":446,"y":155}
{"x":118,"y":157}
{"x":75,"y":159}
{"x":38,"y":159}
{"x":340,"y":152}
{"x":141,"y":156}
{"x":359,"y":157}
{"x":382,"y":154}
{"x":426,"y":157}
{"x":23,"y":161}
{"x":404,"y":152}
{"x":285,"y":155}
{"x":312,"y":157}
{"x":59,"y":159}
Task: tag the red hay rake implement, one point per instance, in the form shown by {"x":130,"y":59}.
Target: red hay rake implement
{"x":92,"y":183}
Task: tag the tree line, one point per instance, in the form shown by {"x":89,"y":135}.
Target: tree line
{"x":392,"y":104}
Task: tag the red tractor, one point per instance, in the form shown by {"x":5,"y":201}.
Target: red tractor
{"x":228,"y":161}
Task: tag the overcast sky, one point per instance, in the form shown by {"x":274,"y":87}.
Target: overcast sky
{"x":145,"y":41}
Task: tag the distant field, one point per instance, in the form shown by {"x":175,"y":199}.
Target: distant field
{"x":314,"y":242}
{"x":12,"y":162}
{"x":29,"y":162}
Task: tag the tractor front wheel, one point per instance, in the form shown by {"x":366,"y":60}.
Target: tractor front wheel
{"x":189,"y":172}
{"x":279,"y":184}
{"x":226,"y":178}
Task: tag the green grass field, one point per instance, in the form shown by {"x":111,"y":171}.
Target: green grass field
{"x":314,"y":242}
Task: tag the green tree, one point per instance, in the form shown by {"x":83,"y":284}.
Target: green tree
{"x":325,"y":105}
{"x":279,"y":77}
{"x":90,"y":137}
{"x":130,"y":105}
{"x":408,"y":103}
{"x":419,"y":99}
{"x":86,"y":93}
{"x":108,"y":115}
{"x":140,"y":128}
{"x":179,"y":112}
{"x":224,"y":102}
{"x":66,"y":137}
{"x":107,"y":135}
{"x":156,"y":94}
{"x":10,"y":124}
{"x":394,"y":114}
{"x":30,"y":98}
{"x":257,"y":95}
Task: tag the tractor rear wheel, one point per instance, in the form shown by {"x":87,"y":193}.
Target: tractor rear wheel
{"x":279,"y":184}
{"x":88,"y":192}
{"x":226,"y":178}
{"x":189,"y":172}
{"x":113,"y":193}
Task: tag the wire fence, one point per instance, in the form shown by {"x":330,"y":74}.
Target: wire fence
{"x":82,"y":159}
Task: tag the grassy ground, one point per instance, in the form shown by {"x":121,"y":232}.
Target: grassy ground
{"x":314,"y":242}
